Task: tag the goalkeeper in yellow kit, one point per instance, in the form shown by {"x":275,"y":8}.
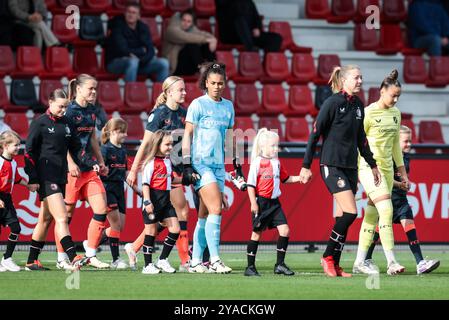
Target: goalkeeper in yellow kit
{"x":382,"y":125}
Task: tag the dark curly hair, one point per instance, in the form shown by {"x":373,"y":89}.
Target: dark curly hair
{"x":211,"y":67}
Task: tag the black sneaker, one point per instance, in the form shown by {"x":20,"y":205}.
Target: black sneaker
{"x":251,"y":271}
{"x":35,"y":266}
{"x":283,"y":269}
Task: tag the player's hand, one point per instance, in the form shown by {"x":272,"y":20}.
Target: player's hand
{"x":33,"y":187}
{"x":377,"y":176}
{"x":131,"y":178}
{"x":305,"y":175}
{"x":256,"y":33}
{"x":104,"y":170}
{"x":149,"y":209}
{"x":74,"y":170}
{"x":225,"y":203}
{"x":405,"y":185}
{"x":2,"y":204}
{"x":254,"y":209}
{"x":189,"y":175}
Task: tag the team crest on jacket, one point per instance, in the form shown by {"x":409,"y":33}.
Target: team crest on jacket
{"x":151,"y":117}
{"x":67,"y":131}
{"x":395,"y":120}
{"x":358,"y":114}
{"x":78,"y":118}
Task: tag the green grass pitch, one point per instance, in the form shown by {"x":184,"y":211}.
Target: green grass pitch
{"x":308,"y":282}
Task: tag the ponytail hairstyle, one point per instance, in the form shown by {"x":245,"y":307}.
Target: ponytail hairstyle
{"x":211,"y":67}
{"x":262,"y":137}
{"x":338,"y":74}
{"x":78,"y":81}
{"x":7,"y":137}
{"x":391,"y":80}
{"x":168,"y":82}
{"x":155,"y":143}
{"x":112,"y":125}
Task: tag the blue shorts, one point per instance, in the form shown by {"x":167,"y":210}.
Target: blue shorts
{"x":210,"y":175}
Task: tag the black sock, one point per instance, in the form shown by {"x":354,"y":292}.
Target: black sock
{"x":104,"y":238}
{"x":414,"y":244}
{"x":12,"y":239}
{"x":69,"y":247}
{"x":183,"y":225}
{"x":337,"y":239}
{"x":35,"y":250}
{"x":147,"y":248}
{"x":281,"y":249}
{"x":160,"y":228}
{"x":206,"y":255}
{"x":113,"y":244}
{"x":369,"y":254}
{"x":251,"y":252}
{"x":169,"y":242}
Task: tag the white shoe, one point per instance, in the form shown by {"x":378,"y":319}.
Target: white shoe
{"x":165,"y":266}
{"x":199,"y":268}
{"x":96,"y":263}
{"x":2,"y":268}
{"x":64,"y":265}
{"x":132,"y":256}
{"x":119,"y":264}
{"x":365,"y":268}
{"x":150,"y":269}
{"x":427,"y":266}
{"x":184,"y":267}
{"x":10,"y":265}
{"x":219,"y":267}
{"x":395,"y":268}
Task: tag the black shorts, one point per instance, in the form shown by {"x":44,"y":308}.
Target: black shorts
{"x":115,"y":196}
{"x":48,"y":188}
{"x":401,"y":212}
{"x":163,"y":208}
{"x":8,"y":214}
{"x":339,"y":179}
{"x":270,"y":214}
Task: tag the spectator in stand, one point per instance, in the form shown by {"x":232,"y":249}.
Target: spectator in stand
{"x":185,"y":46}
{"x":240,"y":22}
{"x":428,"y":25}
{"x":32,"y":14}
{"x":13,"y":34}
{"x":129,"y":48}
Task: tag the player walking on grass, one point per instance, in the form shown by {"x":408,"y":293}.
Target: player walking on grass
{"x":167,"y":114}
{"x":264,"y":178}
{"x":381,"y":123}
{"x":83,"y":180}
{"x":208,"y":119}
{"x":9,"y":175}
{"x":51,"y":136}
{"x":402,"y":212}
{"x":340,"y":123}
{"x":157,"y":207}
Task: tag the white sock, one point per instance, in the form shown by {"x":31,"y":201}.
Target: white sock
{"x":361,"y":256}
{"x":195,"y":262}
{"x":389,"y":254}
{"x":214,"y":259}
{"x":62,"y":256}
{"x":90,"y":252}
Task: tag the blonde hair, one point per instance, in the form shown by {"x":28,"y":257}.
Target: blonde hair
{"x":9,"y":136}
{"x":168,"y":82}
{"x":263,"y":135}
{"x":155,"y":143}
{"x":405,"y":129}
{"x":78,"y":81}
{"x":112,"y":125}
{"x":338,"y":74}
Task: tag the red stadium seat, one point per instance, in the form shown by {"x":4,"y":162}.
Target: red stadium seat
{"x":193,"y":91}
{"x":299,"y":100}
{"x":341,"y":11}
{"x":135,"y":126}
{"x":18,"y":122}
{"x":4,"y":100}
{"x":227,"y":58}
{"x":361,"y":95}
{"x":391,"y":41}
{"x":152,"y":7}
{"x":296,"y":130}
{"x":155,"y":92}
{"x":60,"y":30}
{"x":120,"y":4}
{"x":179,"y":5}
{"x":50,"y":4}
{"x":204,"y":8}
{"x":365,"y":39}
{"x":227,"y":93}
{"x":317,"y":9}
{"x":276,"y":67}
{"x":271,"y":123}
{"x":85,"y":60}
{"x":204,"y":25}
{"x":415,"y":70}
{"x":66,"y":3}
{"x":29,"y":62}
{"x":430,"y":132}
{"x":137,"y":98}
{"x":97,"y":6}
{"x":361,"y":14}
{"x":246,"y":125}
{"x":373,"y":95}
{"x":438,"y":72}
{"x":250,"y":67}
{"x":273,"y":100}
{"x":7,"y":62}
{"x":246,"y":99}
{"x":154,"y":30}
{"x":108,"y":93}
{"x":409,"y":123}
{"x":303,"y":68}
{"x":57,"y":61}
{"x":285,"y":30}
{"x":326,"y":64}
{"x":393,"y":11}
{"x":47,"y":87}
{"x":103,"y":74}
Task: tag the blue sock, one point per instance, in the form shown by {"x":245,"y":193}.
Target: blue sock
{"x":199,"y":241}
{"x":213,"y":236}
